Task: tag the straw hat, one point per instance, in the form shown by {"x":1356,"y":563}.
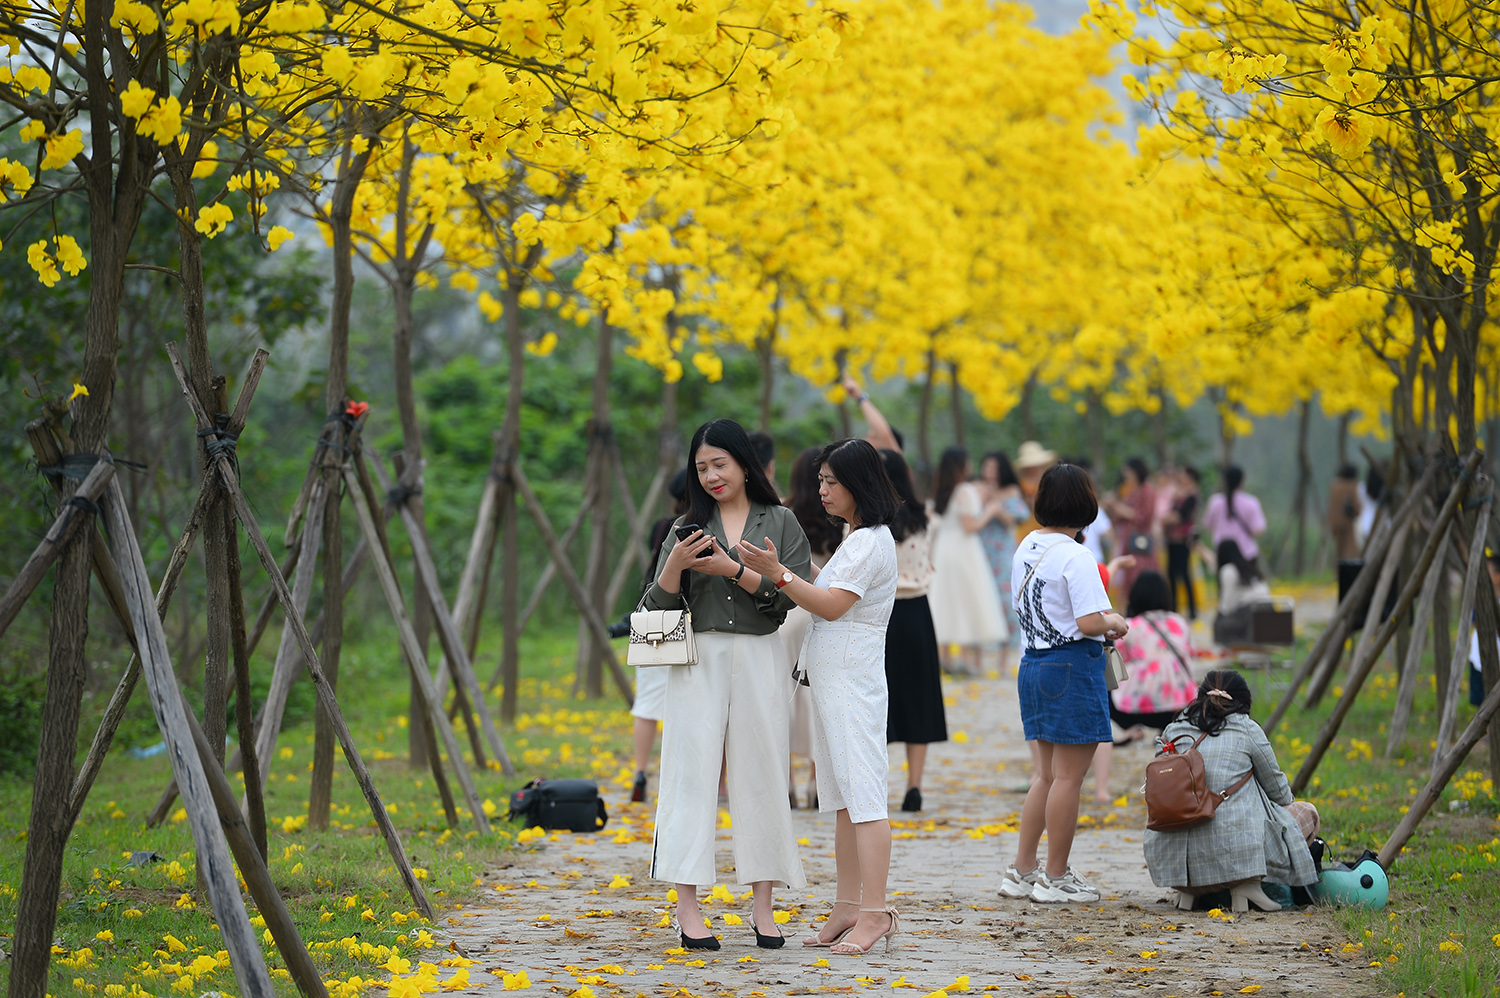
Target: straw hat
{"x":1034,"y":455}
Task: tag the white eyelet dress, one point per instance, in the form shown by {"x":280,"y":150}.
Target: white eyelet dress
{"x":845,"y":662}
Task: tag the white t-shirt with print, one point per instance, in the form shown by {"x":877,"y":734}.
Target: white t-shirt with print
{"x":1064,"y":588}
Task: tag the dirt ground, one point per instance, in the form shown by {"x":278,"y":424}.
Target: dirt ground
{"x":578,"y":915}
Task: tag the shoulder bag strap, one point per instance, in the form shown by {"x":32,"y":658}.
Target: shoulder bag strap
{"x":1038,"y":564}
{"x":1171,"y":647}
{"x":1224,"y":795}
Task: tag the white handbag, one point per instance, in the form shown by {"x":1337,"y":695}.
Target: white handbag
{"x":662,"y":637}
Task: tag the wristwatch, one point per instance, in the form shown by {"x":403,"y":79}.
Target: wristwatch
{"x":786,"y":577}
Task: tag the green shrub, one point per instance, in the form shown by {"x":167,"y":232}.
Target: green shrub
{"x":21,"y":700}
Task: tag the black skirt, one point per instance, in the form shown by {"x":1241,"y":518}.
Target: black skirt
{"x":914,"y":675}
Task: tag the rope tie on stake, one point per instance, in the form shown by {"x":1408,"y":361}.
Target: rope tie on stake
{"x":219,"y":442}
{"x":78,"y":466}
{"x":400,"y":494}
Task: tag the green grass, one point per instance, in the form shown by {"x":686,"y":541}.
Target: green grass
{"x":114,"y":918}
{"x":1439,"y":929}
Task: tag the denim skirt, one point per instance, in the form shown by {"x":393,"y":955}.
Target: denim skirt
{"x":1063,"y":696}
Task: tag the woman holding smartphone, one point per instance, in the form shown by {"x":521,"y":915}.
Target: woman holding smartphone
{"x":732,"y":705}
{"x":844,"y":655}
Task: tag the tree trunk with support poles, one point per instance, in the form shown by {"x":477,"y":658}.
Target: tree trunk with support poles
{"x":341,"y":214}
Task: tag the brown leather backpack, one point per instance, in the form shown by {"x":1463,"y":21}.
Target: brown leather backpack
{"x":1177,"y":793}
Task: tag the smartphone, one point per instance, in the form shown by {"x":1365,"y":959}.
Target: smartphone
{"x":689,"y":529}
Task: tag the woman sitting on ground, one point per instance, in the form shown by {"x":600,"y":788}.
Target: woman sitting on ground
{"x":1259,"y":832}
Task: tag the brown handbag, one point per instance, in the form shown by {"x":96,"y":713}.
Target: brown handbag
{"x":1177,"y":794}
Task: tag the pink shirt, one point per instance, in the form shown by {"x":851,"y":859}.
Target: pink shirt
{"x":1247,"y":523}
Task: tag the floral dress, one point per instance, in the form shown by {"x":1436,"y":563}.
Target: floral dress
{"x":999,"y":542}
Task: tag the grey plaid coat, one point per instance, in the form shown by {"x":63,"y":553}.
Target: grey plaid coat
{"x":1251,"y":835}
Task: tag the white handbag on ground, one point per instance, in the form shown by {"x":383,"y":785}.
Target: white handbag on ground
{"x":662,"y":637}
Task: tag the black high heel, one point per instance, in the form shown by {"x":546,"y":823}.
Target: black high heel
{"x":710,"y":941}
{"x":766,"y":942}
{"x":638,"y":791}
{"x":913,"y":800}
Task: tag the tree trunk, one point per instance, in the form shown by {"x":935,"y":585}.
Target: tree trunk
{"x":1343,"y":437}
{"x":1304,"y":483}
{"x":341,"y":214}
{"x":1028,"y":409}
{"x":1159,"y":429}
{"x":1094,"y":420}
{"x":924,"y":420}
{"x":49,"y":827}
{"x":601,"y":456}
{"x":115,"y":199}
{"x":510,"y":536}
{"x":216,"y":520}
{"x":959,"y":438}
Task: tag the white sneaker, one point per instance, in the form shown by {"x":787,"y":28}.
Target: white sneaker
{"x":1017,"y":884}
{"x":1065,"y":889}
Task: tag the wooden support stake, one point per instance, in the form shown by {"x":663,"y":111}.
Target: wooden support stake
{"x":1459,"y":665}
{"x":249,"y":855}
{"x":1383,"y":583}
{"x":1407,"y":690}
{"x":214,"y":866}
{"x":448,"y":636}
{"x":285,"y":672}
{"x":642,"y":523}
{"x":69,"y":519}
{"x":314,"y":667}
{"x":114,"y":712}
{"x":1331,"y":641}
{"x":415,"y":658}
{"x":570,"y":579}
{"x":1359,"y":670}
{"x":1455,"y":757}
{"x":549,"y":572}
{"x":366,"y":495}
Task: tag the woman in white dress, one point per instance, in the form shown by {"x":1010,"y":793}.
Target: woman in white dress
{"x":844,"y":658}
{"x":966,"y":609}
{"x":823,"y":537}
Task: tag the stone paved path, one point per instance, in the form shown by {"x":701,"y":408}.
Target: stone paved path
{"x":577,"y":914}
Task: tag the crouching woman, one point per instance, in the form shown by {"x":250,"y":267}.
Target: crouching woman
{"x":1259,"y":832}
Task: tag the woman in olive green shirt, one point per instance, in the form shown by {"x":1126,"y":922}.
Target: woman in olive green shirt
{"x":733,"y":703}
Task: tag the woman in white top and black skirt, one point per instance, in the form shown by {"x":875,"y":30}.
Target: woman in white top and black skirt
{"x":1065,"y":617}
{"x":844,"y":657}
{"x":913,"y":670}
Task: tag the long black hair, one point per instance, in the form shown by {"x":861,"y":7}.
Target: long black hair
{"x":1228,"y":553}
{"x":857,"y":466}
{"x":1222,"y":692}
{"x":729,"y":436}
{"x":1138,"y":466}
{"x":823,"y":536}
{"x":1150,"y":591}
{"x":1005,"y":472}
{"x":911,"y":518}
{"x":953,"y":469}
{"x":1234,"y":477}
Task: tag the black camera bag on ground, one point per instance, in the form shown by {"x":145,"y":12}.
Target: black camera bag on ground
{"x":560,"y":805}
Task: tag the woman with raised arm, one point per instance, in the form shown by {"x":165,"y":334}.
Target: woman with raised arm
{"x":844,"y":659}
{"x":732,"y":705}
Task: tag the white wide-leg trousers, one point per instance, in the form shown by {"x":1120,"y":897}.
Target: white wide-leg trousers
{"x":733,"y":701}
